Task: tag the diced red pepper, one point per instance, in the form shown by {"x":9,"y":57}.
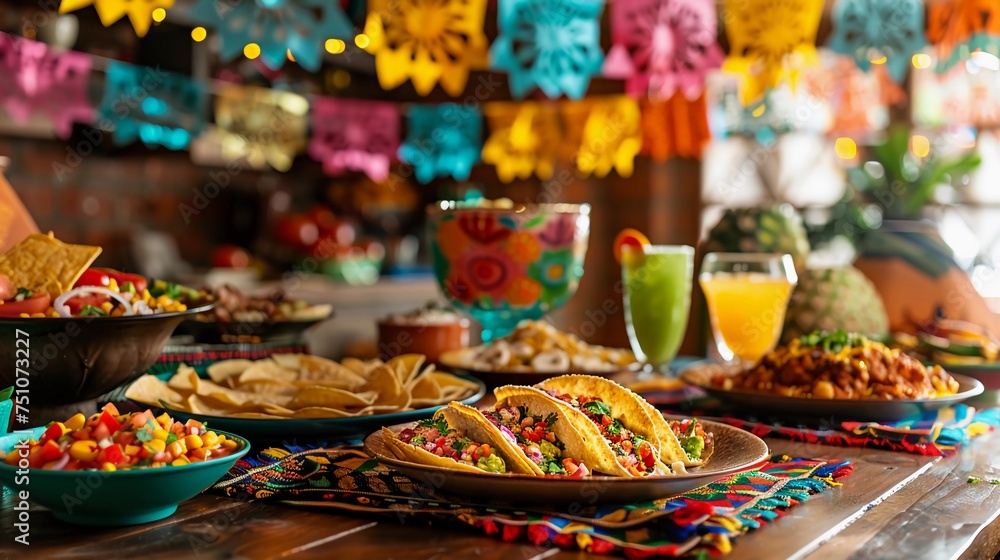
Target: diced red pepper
{"x":55,"y":431}
{"x":50,"y":452}
{"x":113,"y":454}
{"x":110,"y":421}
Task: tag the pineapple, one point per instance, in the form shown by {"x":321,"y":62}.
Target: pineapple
{"x":761,"y":230}
{"x":831,"y":299}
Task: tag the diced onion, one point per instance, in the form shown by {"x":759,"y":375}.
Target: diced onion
{"x":60,"y":303}
{"x":62,"y":462}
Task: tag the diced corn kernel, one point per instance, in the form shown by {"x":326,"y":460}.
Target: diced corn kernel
{"x":83,"y":450}
{"x":113,"y":285}
{"x":199,"y":454}
{"x":145,"y":296}
{"x":210,"y":439}
{"x":76,"y":422}
{"x":107,"y":307}
{"x":132,"y":449}
{"x":164,"y":420}
{"x":176,"y":449}
{"x":108,"y":467}
{"x":230,"y":444}
{"x":156,"y":445}
{"x":160,"y":433}
{"x":193,"y":442}
{"x":181,"y":461}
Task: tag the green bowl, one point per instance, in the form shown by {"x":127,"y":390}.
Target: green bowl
{"x":127,"y":497}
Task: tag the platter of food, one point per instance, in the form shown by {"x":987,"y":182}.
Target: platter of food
{"x":53,"y":300}
{"x":536,"y":351}
{"x":836,"y":376}
{"x":303,"y":395}
{"x":145,"y":465}
{"x":237,"y":317}
{"x":960,"y":346}
{"x":569,"y":439}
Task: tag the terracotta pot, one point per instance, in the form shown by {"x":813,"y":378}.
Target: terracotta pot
{"x":914,"y":271}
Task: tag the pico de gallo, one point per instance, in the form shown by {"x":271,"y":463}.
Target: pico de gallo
{"x":534,"y":435}
{"x":99,"y":292}
{"x":109,"y":441}
{"x":632,"y":451}
{"x":437,"y":437}
{"x":692,"y":436}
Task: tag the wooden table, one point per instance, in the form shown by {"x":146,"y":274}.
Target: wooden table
{"x":895,"y":505}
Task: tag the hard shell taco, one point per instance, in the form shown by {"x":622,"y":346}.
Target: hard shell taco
{"x":452,"y":440}
{"x":678,"y":441}
{"x":533,"y":429}
{"x":616,"y":434}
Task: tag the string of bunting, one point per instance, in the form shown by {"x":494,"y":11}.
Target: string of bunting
{"x":662,"y":49}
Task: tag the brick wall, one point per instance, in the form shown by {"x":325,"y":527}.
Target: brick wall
{"x":102,"y":199}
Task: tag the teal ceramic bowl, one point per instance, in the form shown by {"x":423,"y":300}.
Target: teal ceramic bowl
{"x":127,"y":497}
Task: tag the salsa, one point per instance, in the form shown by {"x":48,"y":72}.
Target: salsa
{"x":435,"y":436}
{"x":632,"y":450}
{"x":534,"y":435}
{"x":692,"y":436}
{"x":109,"y":441}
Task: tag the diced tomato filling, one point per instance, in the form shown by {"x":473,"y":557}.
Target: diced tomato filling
{"x":631,"y":450}
{"x":534,"y":435}
{"x":435,"y":436}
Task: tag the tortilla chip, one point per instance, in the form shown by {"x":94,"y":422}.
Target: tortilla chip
{"x":287,"y":361}
{"x":220,"y":371}
{"x":357,"y":366}
{"x":426,"y":388}
{"x":150,"y":390}
{"x":330,"y":397}
{"x":184,"y":380}
{"x":316,"y":368}
{"x":320,"y":412}
{"x":42,"y":263}
{"x":406,"y":366}
{"x":266,"y":370}
{"x":386,"y":385}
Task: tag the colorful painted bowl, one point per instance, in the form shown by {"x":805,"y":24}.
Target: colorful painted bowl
{"x":503,"y":265}
{"x":127,"y":497}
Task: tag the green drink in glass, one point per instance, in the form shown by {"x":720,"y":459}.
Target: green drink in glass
{"x":657,"y":291}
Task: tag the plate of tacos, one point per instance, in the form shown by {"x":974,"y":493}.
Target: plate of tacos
{"x":571,"y":439}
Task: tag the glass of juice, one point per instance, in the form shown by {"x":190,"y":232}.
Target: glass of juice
{"x":657,"y":292}
{"x":747,"y":294}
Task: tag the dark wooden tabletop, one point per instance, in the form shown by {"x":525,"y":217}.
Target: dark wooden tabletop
{"x":895,"y":505}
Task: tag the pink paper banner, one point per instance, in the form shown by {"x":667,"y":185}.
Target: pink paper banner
{"x":354,"y":135}
{"x":40,"y":80}
{"x":662,"y":46}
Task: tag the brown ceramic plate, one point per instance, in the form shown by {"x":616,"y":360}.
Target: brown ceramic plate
{"x":735,"y":450}
{"x":856,"y":410}
{"x":457,"y":361}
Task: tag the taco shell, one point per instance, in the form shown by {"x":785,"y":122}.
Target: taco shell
{"x":497,"y":439}
{"x":581,"y":438}
{"x":473,"y":429}
{"x":634,"y":412}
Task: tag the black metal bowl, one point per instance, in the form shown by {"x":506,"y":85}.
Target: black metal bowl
{"x":66,"y":360}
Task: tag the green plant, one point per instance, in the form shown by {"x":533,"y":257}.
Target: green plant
{"x":891,"y":184}
{"x":901,"y":184}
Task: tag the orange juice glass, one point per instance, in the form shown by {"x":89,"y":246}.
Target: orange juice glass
{"x":747,"y":295}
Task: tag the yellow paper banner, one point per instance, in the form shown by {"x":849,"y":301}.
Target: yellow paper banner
{"x":427,"y":42}
{"x":262,"y":125}
{"x":604,"y":134}
{"x":770,"y":42}
{"x":524,"y":139}
{"x":139,"y":12}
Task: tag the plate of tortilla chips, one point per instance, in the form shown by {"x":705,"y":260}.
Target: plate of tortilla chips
{"x":301,"y":394}
{"x":569,"y":437}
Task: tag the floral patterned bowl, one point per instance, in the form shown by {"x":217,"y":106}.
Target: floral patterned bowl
{"x":503,"y":265}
